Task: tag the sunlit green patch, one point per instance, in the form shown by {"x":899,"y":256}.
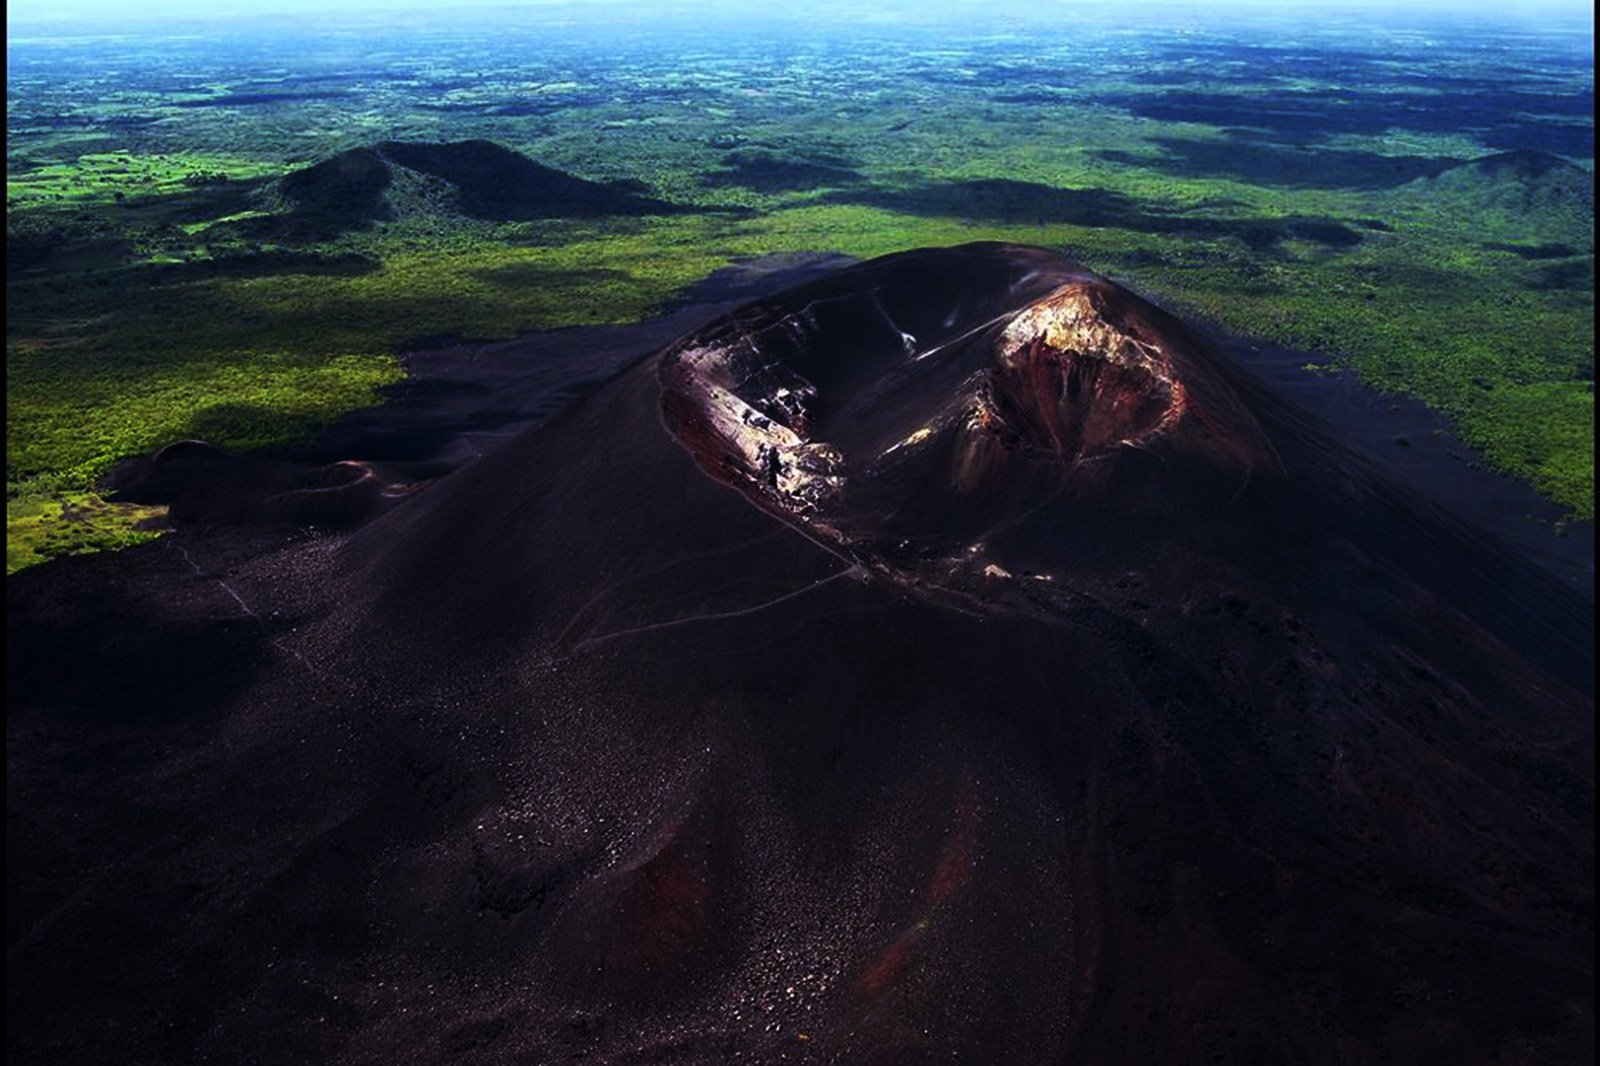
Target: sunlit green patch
{"x":73,"y":415}
{"x":40,"y":527}
{"x":193,"y":228}
{"x":1543,"y":432}
{"x":117,"y":177}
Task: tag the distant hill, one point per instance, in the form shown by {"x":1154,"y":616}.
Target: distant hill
{"x":349,"y":186}
{"x":480,"y":179}
{"x":1533,"y":191}
{"x":493,"y":182}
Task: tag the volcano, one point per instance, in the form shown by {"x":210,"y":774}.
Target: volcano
{"x":394,"y":180}
{"x":951,"y":658}
{"x":1541,"y":194}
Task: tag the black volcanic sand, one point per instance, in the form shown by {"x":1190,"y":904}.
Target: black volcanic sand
{"x":1122,"y":716}
{"x":1418,"y":448}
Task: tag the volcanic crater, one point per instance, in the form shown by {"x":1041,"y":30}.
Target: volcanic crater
{"x":950,"y":657}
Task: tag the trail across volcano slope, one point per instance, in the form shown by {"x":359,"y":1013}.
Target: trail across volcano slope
{"x":952,"y":658}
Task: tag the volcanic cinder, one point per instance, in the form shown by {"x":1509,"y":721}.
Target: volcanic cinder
{"x":954,"y":658}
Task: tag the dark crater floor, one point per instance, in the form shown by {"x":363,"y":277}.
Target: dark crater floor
{"x":951,"y":657}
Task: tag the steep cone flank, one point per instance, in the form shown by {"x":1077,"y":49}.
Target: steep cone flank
{"x":953,"y":658}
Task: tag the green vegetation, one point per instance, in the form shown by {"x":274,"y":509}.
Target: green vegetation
{"x":42,"y":527}
{"x":181,"y":267}
{"x":97,"y":179}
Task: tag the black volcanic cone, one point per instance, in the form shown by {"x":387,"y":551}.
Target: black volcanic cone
{"x":952,"y":659}
{"x":497,"y":183}
{"x":354,"y":188}
{"x":349,"y":185}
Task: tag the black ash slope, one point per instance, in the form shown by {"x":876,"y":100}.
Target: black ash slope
{"x":949,"y":658}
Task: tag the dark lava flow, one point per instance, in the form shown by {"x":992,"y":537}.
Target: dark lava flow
{"x":951,"y":658}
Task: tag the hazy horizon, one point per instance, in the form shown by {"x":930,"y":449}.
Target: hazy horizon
{"x":109,"y":15}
